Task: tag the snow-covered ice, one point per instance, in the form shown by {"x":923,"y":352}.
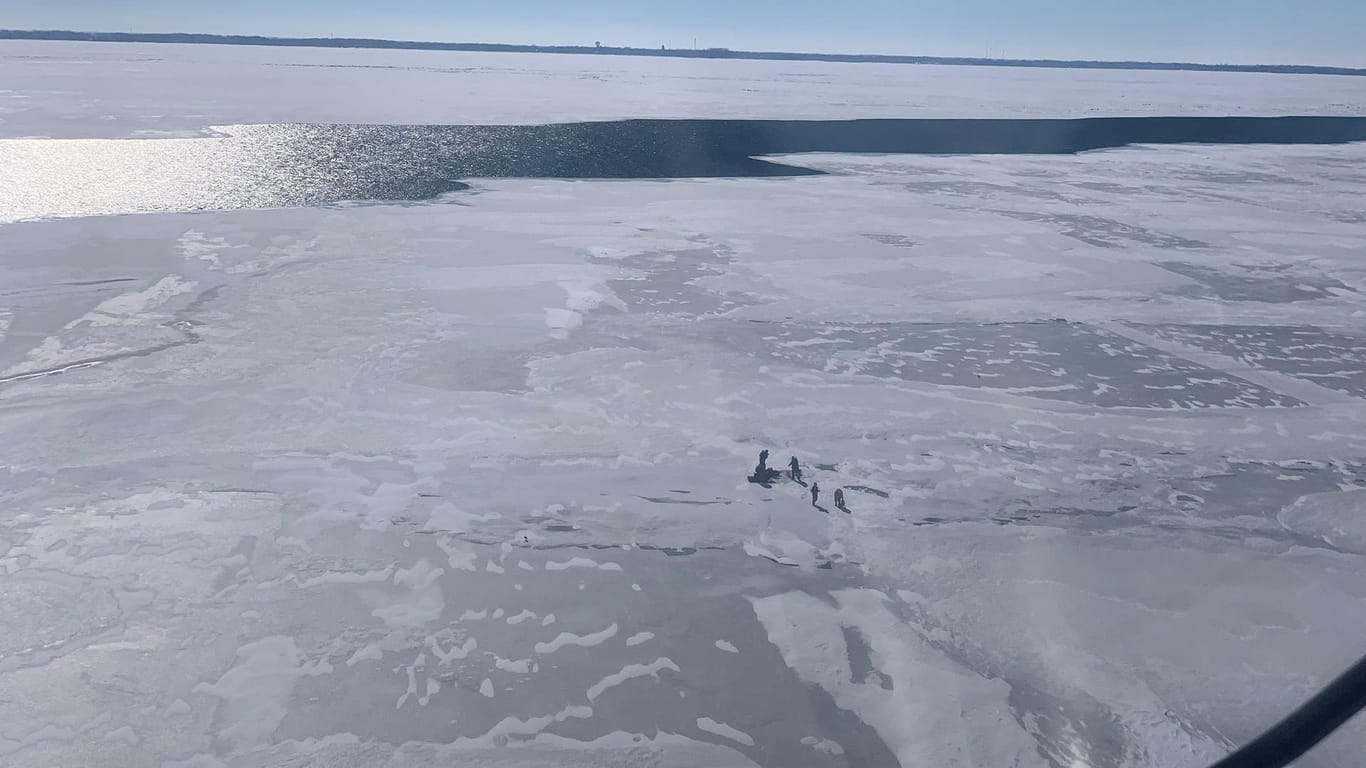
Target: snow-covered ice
{"x":74,"y":89}
{"x":268,"y":477}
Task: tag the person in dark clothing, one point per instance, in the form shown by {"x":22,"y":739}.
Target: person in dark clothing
{"x":839,"y":500}
{"x":796,"y":469}
{"x":763,"y":475}
{"x":815,"y":493}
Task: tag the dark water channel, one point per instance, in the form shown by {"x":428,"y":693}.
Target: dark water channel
{"x":258,"y":166}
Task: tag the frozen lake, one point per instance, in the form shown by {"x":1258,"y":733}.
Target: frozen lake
{"x":87,"y":90}
{"x":458,"y":477}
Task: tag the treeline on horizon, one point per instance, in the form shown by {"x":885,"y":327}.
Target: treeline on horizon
{"x":695,"y":53}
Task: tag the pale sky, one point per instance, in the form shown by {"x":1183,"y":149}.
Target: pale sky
{"x":1215,"y":31}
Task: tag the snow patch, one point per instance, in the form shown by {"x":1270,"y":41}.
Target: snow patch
{"x":562,"y":321}
{"x":629,"y":672}
{"x":724,"y":731}
{"x":586,"y":296}
{"x":456,"y":652}
{"x":582,"y":641}
{"x":823,"y":745}
{"x":580,"y":562}
{"x":518,"y":667}
{"x":134,"y":307}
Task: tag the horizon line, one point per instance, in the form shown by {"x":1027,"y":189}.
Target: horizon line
{"x":205,"y":38}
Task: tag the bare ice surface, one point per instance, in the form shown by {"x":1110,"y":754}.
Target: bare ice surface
{"x":462,"y":482}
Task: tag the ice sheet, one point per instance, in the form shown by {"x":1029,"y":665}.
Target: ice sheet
{"x":322,"y":501}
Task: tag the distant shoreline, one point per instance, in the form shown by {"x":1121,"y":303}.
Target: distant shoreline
{"x":683,"y":53}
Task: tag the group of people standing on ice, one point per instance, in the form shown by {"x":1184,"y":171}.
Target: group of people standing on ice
{"x":764,"y":475}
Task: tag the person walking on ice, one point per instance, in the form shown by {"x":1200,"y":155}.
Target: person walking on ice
{"x":815,"y":494}
{"x":796,"y":469}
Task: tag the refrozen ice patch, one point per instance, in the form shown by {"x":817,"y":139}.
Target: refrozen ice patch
{"x":1338,"y":518}
{"x":177,"y":708}
{"x":727,"y":646}
{"x":1328,"y":358}
{"x":125,"y":735}
{"x":724,"y":731}
{"x":1053,"y":360}
{"x":255,"y":692}
{"x":486,"y":688}
{"x":458,"y":556}
{"x":509,"y":275}
{"x":1243,"y":282}
{"x":367,"y":652}
{"x":449,"y":517}
{"x":423,"y":602}
{"x":639,"y":637}
{"x":968,"y":720}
